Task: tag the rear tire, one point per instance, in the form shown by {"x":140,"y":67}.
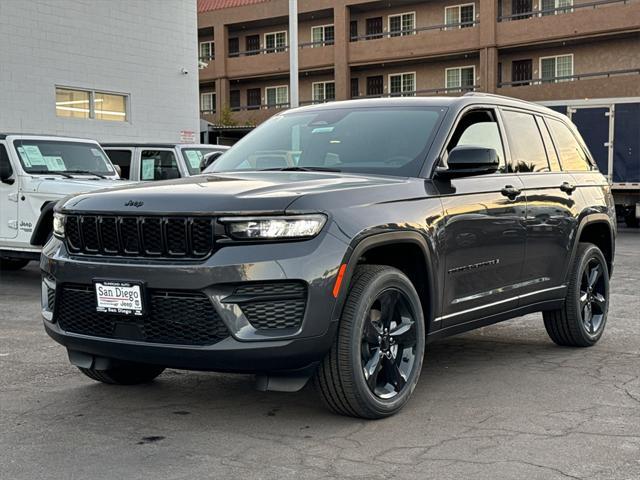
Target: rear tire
{"x":581,"y":320}
{"x":375,"y":361}
{"x":12,"y":264}
{"x":131,"y":374}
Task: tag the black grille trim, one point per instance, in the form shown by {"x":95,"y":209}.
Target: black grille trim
{"x":173,"y":317}
{"x":141,"y":236}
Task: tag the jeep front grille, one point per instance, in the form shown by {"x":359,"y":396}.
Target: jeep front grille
{"x":138,"y":236}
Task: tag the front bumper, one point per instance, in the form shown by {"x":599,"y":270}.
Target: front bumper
{"x":313,"y":263}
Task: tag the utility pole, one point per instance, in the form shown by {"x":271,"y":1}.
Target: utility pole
{"x":293,"y":54}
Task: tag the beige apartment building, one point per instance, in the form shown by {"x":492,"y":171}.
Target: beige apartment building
{"x":538,"y":50}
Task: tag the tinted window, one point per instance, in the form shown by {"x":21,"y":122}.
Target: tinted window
{"x":122,"y":158}
{"x":551,"y":151}
{"x":572,"y":155}
{"x":158,"y":165}
{"x":527,"y":150}
{"x":479,"y":129}
{"x":387,"y":141}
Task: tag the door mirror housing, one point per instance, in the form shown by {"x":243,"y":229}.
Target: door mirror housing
{"x":208,"y":159}
{"x":118,"y":169}
{"x":6,"y":172}
{"x":468,"y":160}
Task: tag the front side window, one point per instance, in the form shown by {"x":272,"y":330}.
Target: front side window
{"x":386,"y":141}
{"x":460,"y":77}
{"x":158,"y":165}
{"x":277,"y":96}
{"x":43,"y":156}
{"x":556,"y":69}
{"x":207,"y":51}
{"x":77,"y":103}
{"x":525,"y":143}
{"x":402,"y":24}
{"x":323,"y":91}
{"x":460,"y":16}
{"x":122,"y":158}
{"x":208,"y":102}
{"x":322,"y":35}
{"x":572,"y":155}
{"x":275,"y":42}
{"x":402,"y":84}
{"x":193,"y":158}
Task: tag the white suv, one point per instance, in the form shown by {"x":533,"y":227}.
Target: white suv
{"x":35,"y":172}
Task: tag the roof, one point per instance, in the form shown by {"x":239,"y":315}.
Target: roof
{"x":208,"y":5}
{"x":48,"y":136}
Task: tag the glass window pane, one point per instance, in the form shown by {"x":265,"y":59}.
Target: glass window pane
{"x":395,"y":25}
{"x":453,"y":77}
{"x":408,"y":23}
{"x":527,"y":150}
{"x":316,"y":34}
{"x":572,"y":156}
{"x":548,"y":69}
{"x":451,"y":15}
{"x":318,"y":92}
{"x":408,"y":82}
{"x":330,"y":91}
{"x":467,"y":79}
{"x":158,"y":165}
{"x":466,"y":15}
{"x":564,"y":67}
{"x":329,"y":34}
{"x":72,"y":103}
{"x":271,"y":96}
{"x":395,"y":84}
{"x":110,"y":107}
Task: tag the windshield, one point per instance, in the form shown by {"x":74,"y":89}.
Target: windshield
{"x":385,"y":141}
{"x":43,"y":156}
{"x":193,"y":157}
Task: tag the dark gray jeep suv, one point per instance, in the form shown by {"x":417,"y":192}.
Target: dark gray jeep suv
{"x":334,"y":242}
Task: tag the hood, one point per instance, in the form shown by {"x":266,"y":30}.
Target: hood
{"x":224,"y":193}
{"x":68,"y":186}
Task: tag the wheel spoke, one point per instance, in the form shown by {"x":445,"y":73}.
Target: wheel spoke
{"x":594,"y":274}
{"x":372,"y":328}
{"x":394,"y":375}
{"x":587,"y":317}
{"x":404,"y":334}
{"x":372,"y":368}
{"x":388,"y":307}
{"x":600,"y":302}
{"x":584,"y":299}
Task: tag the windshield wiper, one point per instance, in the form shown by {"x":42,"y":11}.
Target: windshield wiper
{"x":301,"y":169}
{"x":54,"y":172}
{"x":85,"y":172}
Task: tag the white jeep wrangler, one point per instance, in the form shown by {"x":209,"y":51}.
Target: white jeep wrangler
{"x":35,"y":172}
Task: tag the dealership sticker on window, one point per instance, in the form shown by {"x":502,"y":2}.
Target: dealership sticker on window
{"x":147,"y":169}
{"x":195,"y":157}
{"x":55,"y":163}
{"x":24,"y":157}
{"x":33,"y":152}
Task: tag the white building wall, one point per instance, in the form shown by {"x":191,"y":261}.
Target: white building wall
{"x":137,"y":47}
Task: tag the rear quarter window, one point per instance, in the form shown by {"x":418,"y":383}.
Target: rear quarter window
{"x":572,"y":155}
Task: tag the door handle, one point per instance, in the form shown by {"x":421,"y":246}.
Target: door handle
{"x":510,"y":191}
{"x":567,"y":187}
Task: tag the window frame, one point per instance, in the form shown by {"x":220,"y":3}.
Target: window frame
{"x":277,"y":104}
{"x":402,"y":93}
{"x":459,"y":8}
{"x":555,"y":78}
{"x":275,"y":48}
{"x":213,"y":102}
{"x":535,"y":116}
{"x":324,"y":91}
{"x":556,"y":7}
{"x":323,"y":42}
{"x":92,"y":101}
{"x":212,"y":50}
{"x":401,"y":32}
{"x":446,"y":76}
{"x":177,"y":159}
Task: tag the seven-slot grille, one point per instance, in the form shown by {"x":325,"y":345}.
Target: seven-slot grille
{"x":160,"y":237}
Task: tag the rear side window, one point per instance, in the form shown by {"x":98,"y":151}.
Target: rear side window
{"x":551,"y":151}
{"x":527,"y":149}
{"x":122,"y":158}
{"x":158,"y":165}
{"x":572,"y":156}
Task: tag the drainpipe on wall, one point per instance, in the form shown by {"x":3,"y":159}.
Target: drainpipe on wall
{"x":293,"y":54}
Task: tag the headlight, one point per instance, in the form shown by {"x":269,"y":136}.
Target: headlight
{"x":273,"y":228}
{"x":58,"y":225}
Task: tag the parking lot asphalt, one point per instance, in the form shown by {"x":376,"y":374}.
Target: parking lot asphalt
{"x":502,"y":402}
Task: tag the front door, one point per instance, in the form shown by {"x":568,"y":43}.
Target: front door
{"x":375,"y":85}
{"x":521,"y":72}
{"x":484,"y":234}
{"x":8,"y":200}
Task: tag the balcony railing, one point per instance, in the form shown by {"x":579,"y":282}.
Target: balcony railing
{"x":570,"y":78}
{"x":267,"y":106}
{"x":558,"y":10}
{"x":413,"y":31}
{"x":423,"y":92}
{"x":281,"y":48}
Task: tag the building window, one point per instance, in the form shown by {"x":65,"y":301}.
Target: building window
{"x":374,"y":28}
{"x":234,"y":100}
{"x":460,"y":16}
{"x":275,"y":42}
{"x":253,"y":98}
{"x":556,"y":69}
{"x":234,"y":47}
{"x":322,"y":35}
{"x":460,"y":77}
{"x":355,"y":88}
{"x":76,"y":103}
{"x":207,"y":50}
{"x":208,"y":102}
{"x":277,"y":96}
{"x":554,"y":7}
{"x":323,"y":91}
{"x":402,"y":84}
{"x":353,"y":30}
{"x":402,"y":24}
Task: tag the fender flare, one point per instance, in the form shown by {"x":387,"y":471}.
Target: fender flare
{"x":360,"y":246}
{"x":591,"y":219}
{"x":44,"y":225}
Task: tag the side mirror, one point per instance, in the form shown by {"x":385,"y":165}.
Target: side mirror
{"x":118,"y":170}
{"x":208,"y":159}
{"x":467,"y":160}
{"x":6,"y":172}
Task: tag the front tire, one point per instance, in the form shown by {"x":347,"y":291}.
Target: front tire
{"x":376,"y":359}
{"x":581,"y":320}
{"x":129,"y":374}
{"x":12,"y":264}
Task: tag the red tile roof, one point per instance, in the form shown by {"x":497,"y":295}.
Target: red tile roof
{"x":208,"y":5}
